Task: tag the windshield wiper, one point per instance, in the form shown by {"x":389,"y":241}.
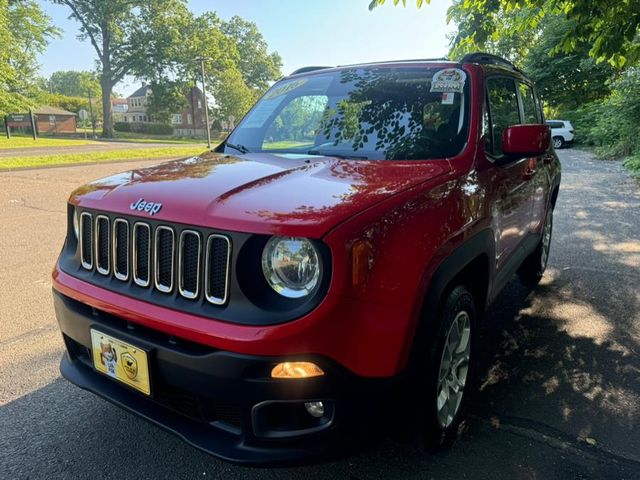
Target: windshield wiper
{"x":337,"y":155}
{"x":238,"y":147}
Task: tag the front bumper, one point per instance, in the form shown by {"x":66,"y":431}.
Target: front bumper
{"x":222,"y":402}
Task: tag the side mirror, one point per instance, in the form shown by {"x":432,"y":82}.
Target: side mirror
{"x":520,"y":141}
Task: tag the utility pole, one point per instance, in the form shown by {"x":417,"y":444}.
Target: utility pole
{"x":93,"y":121}
{"x":204,"y":99}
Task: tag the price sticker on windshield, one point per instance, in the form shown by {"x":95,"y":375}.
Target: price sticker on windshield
{"x":450,"y":80}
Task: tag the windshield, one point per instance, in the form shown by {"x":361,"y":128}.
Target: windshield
{"x":364,"y":113}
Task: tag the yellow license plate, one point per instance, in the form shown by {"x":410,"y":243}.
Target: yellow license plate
{"x":120,"y":360}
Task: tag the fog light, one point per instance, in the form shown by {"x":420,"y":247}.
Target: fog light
{"x":315,"y":409}
{"x":296,"y":370}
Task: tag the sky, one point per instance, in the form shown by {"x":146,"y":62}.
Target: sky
{"x":310,"y":32}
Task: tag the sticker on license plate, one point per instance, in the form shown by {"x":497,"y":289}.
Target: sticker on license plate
{"x":120,"y":360}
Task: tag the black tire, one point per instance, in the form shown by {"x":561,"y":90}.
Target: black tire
{"x":432,"y":429}
{"x":532,"y":269}
{"x":558,"y":142}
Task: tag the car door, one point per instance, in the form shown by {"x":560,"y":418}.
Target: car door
{"x":510,"y":180}
{"x":531,"y":113}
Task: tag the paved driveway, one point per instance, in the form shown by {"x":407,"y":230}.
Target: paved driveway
{"x":559,"y":392}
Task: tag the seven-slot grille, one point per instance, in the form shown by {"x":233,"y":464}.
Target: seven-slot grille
{"x":157,"y":256}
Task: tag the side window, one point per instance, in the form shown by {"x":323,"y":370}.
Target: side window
{"x":297,"y":123}
{"x":539,"y":108}
{"x":503,"y":104}
{"x":528,"y":104}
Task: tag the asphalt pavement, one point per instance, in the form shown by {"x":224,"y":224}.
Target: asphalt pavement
{"x":558,"y":391}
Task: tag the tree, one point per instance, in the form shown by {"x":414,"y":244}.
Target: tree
{"x":565,"y":80}
{"x":166,"y":98}
{"x":233,"y":96}
{"x":130,"y":37}
{"x":74,"y":84}
{"x":611,"y":28}
{"x":25,"y":31}
{"x":257,"y":65}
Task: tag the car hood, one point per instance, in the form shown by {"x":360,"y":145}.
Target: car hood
{"x":258,"y":193}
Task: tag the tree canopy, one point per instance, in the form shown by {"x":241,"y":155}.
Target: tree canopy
{"x":74,"y":83}
{"x":610,"y":28}
{"x":24,"y":33}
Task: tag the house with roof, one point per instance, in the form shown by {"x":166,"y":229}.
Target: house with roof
{"x":189,"y":121}
{"x":47,"y":120}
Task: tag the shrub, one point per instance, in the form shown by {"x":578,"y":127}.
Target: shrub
{"x":122,"y":127}
{"x":148,"y":128}
{"x":613,"y":124}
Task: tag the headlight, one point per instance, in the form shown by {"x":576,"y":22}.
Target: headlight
{"x":76,"y":223}
{"x":291,"y":266}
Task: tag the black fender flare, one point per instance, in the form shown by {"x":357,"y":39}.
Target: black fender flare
{"x":480,"y":244}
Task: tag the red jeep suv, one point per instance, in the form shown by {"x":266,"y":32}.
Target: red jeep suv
{"x":268,"y":300}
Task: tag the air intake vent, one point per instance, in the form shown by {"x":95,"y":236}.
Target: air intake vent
{"x":189,"y":264}
{"x":86,"y":240}
{"x":141,"y":254}
{"x":164,"y":252}
{"x":102,"y":244}
{"x":217,"y":269}
{"x":121,"y":249}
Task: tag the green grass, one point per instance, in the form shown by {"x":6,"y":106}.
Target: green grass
{"x":144,"y":138}
{"x":28,"y":142}
{"x":633,"y":164}
{"x":111,"y":156}
{"x":285,"y":144}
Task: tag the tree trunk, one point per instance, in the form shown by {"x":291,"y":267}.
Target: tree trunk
{"x":107,"y":126}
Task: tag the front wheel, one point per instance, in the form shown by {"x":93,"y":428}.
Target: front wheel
{"x":558,"y":142}
{"x":535,"y":264}
{"x":444,"y":374}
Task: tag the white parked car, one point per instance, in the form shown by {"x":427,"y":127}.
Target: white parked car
{"x":561,"y":132}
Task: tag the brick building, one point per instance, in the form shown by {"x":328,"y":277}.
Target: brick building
{"x":48,"y":120}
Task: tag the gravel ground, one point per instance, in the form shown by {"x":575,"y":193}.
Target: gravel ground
{"x":558,"y":392}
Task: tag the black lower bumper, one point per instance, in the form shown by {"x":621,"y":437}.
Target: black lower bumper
{"x":225,"y":403}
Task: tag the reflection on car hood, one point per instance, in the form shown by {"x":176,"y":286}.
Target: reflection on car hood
{"x":259,"y":192}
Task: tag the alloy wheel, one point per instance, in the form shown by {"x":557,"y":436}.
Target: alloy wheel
{"x":454,"y":368}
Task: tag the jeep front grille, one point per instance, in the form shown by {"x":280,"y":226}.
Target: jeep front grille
{"x":164,"y":251}
{"x":141,"y":253}
{"x":160,"y":256}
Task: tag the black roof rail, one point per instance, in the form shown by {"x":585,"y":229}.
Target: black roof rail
{"x":307,"y":69}
{"x":440,"y":59}
{"x":488,"y":58}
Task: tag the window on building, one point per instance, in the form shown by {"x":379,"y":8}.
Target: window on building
{"x":189,"y":119}
{"x":176,"y":118}
{"x":52,"y":119}
{"x":199,"y":103}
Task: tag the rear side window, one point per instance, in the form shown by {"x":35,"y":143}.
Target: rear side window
{"x":528,"y":104}
{"x":555,"y":124}
{"x":503,"y":109}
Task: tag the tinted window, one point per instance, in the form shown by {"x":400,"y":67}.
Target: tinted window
{"x":556,"y":124}
{"x":503,"y":104}
{"x":373,"y":113}
{"x":528,"y":104}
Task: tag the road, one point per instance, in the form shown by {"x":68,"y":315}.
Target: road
{"x":558,"y":391}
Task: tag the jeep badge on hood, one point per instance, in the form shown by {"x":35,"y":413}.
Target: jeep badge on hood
{"x":150,"y":207}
